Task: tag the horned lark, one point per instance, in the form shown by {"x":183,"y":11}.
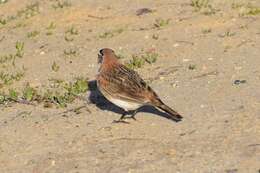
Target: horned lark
{"x":125,"y":88}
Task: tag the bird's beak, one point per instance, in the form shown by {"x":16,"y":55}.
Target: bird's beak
{"x":100,"y":58}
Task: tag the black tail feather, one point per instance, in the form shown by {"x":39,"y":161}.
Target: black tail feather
{"x":172,"y":114}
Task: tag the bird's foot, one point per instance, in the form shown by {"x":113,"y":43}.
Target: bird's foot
{"x":123,"y":118}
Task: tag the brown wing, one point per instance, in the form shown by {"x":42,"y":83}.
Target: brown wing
{"x":126,"y":84}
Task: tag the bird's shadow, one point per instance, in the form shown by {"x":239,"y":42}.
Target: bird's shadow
{"x":102,"y":103}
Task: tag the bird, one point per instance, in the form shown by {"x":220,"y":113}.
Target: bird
{"x":125,"y":88}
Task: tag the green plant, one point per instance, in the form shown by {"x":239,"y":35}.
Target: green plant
{"x":159,"y":23}
{"x":135,"y":62}
{"x":55,"y":67}
{"x":253,"y":10}
{"x":2,"y":98}
{"x":206,"y":31}
{"x":199,"y":4}
{"x":70,"y":52}
{"x":150,"y":56}
{"x":203,"y":6}
{"x":79,"y":86}
{"x":112,"y":33}
{"x":3,"y":21}
{"x":29,"y":93}
{"x":29,"y":11}
{"x":228,"y":33}
{"x":72,"y":30}
{"x":246,"y":9}
{"x":61,"y":4}
{"x":19,"y":49}
{"x":7,"y":78}
{"x":50,"y":28}
{"x":33,"y":34}
{"x":13,"y":95}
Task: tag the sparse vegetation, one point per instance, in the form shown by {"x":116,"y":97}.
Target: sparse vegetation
{"x":228,"y":33}
{"x":8,"y":78}
{"x":50,"y":28}
{"x":138,"y":61}
{"x":70,"y":33}
{"x":246,"y":9}
{"x":70,"y":52}
{"x":203,"y":6}
{"x":62,"y":94}
{"x":159,"y":23}
{"x":112,"y":33}
{"x":55,"y":67}
{"x":60,"y":4}
{"x":206,"y":31}
{"x":19,"y":49}
{"x":135,"y":62}
{"x":29,"y":11}
{"x":33,"y":34}
{"x":28,"y":93}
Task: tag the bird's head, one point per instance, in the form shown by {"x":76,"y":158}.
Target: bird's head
{"x":106,"y":54}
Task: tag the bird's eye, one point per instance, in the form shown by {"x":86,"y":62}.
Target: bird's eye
{"x":101,"y":52}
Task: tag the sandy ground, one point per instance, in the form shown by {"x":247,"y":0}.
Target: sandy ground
{"x":200,"y":58}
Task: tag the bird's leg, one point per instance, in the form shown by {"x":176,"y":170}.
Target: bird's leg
{"x":133,"y":114}
{"x":121,"y":119}
{"x":123,"y":115}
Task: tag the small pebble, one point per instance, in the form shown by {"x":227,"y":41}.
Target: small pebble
{"x":186,"y":60}
{"x":176,"y":45}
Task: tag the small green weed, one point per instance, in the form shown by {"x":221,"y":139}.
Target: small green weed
{"x":135,"y":62}
{"x":60,"y":4}
{"x":70,"y":33}
{"x":50,"y":28}
{"x":7,"y":78}
{"x":159,"y":23}
{"x":19,"y":49}
{"x":13,"y":95}
{"x":150,"y":56}
{"x":70,"y":52}
{"x":228,"y":33}
{"x":206,"y":31}
{"x":246,"y":9}
{"x":138,"y":61}
{"x":203,"y":6}
{"x":112,"y":33}
{"x":55,"y":67}
{"x":29,"y":11}
{"x":29,"y":93}
{"x":33,"y":34}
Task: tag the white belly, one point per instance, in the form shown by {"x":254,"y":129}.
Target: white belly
{"x":124,"y":104}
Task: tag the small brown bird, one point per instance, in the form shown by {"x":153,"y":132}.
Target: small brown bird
{"x":125,"y":88}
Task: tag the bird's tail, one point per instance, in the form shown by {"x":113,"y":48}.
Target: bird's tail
{"x":172,"y":114}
